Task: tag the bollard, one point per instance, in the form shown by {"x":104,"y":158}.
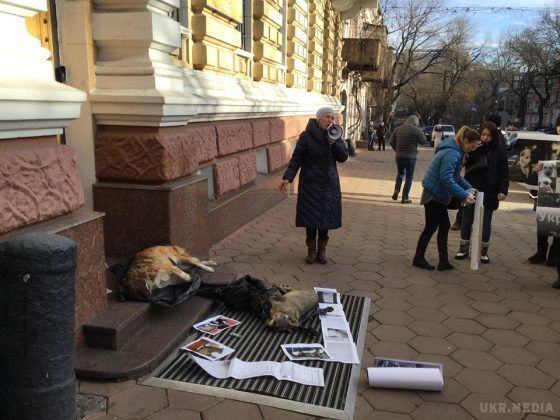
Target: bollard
{"x":37,"y":378}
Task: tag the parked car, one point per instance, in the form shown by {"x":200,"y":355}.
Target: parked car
{"x":439,"y":135}
{"x":512,"y":148}
{"x":428,"y":133}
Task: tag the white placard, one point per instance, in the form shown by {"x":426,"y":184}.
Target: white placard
{"x":476,"y":234}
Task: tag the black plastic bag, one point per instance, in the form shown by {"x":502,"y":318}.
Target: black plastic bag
{"x":168,"y":296}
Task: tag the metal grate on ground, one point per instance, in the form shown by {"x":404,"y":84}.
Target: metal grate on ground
{"x":335,"y":400}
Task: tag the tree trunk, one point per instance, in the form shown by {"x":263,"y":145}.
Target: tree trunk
{"x":541,"y":115}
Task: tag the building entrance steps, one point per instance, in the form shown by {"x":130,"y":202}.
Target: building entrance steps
{"x":129,"y":339}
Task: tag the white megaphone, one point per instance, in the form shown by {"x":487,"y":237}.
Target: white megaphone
{"x":334,"y":132}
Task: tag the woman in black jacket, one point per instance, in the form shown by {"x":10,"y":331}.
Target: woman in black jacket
{"x":487,"y":171}
{"x":319,"y":203}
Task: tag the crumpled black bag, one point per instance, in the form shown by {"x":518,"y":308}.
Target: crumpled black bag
{"x":247,"y":293}
{"x":166,"y":296}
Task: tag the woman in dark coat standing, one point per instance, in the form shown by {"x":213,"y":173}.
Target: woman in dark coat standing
{"x":487,"y":171}
{"x":319,"y":203}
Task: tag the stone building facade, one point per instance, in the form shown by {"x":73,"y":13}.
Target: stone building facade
{"x":129,"y":124}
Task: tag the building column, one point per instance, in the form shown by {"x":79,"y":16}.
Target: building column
{"x":137,"y":83}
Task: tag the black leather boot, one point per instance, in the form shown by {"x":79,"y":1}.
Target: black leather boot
{"x":443,"y":264}
{"x":542,"y":246}
{"x":419,"y":259}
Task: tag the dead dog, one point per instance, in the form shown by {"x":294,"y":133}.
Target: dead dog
{"x":158,"y":267}
{"x":287,"y":310}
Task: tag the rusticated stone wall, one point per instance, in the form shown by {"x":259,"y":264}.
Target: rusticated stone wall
{"x":151,"y":154}
{"x":37,"y":184}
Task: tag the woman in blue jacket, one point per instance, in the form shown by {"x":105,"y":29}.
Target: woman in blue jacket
{"x":443,"y":182}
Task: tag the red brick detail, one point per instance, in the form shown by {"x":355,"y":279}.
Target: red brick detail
{"x":226,"y":176}
{"x":234,"y":137}
{"x":158,"y":156}
{"x":261,"y":133}
{"x":274,"y":157}
{"x":286,"y":152}
{"x":277,"y":129}
{"x":206,"y":141}
{"x":38,"y":184}
{"x":247,"y":168}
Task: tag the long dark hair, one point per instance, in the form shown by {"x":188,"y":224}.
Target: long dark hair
{"x":496,"y":138}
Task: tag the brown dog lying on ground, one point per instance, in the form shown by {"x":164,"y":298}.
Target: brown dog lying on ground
{"x":157,"y":267}
{"x":286,"y":310}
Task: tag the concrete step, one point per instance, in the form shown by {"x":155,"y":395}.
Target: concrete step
{"x":129,"y":339}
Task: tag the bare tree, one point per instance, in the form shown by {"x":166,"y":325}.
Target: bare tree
{"x":419,"y":39}
{"x":531,"y":55}
{"x":431,"y":91}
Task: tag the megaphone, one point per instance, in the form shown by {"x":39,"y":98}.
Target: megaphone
{"x":334,"y":132}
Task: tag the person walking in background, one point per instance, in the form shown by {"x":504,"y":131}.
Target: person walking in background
{"x":319,"y":202}
{"x":437,"y":135}
{"x":380,"y":131}
{"x":442,"y":184}
{"x":371,"y":136}
{"x":404,"y":141}
{"x":487,"y":171}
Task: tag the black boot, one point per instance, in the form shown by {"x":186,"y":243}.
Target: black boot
{"x":484,"y":258}
{"x":443,"y":264}
{"x":419,"y":259}
{"x":542,"y":246}
{"x":463,"y":249}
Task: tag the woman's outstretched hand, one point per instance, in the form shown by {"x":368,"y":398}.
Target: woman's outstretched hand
{"x":501,"y":197}
{"x":284,"y":185}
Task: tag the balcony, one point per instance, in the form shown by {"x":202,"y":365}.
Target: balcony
{"x":361,"y":54}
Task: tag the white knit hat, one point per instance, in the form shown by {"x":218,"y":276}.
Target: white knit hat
{"x":325,"y":111}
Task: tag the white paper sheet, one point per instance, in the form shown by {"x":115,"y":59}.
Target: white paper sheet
{"x":285,"y":371}
{"x":338,"y":340}
{"x":306,"y":351}
{"x":425,"y":379}
{"x":337,"y":310}
{"x":476,"y":235}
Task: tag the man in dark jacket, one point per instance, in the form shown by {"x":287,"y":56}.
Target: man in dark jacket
{"x":404,"y":142}
{"x":319,"y":202}
{"x":380,"y":131}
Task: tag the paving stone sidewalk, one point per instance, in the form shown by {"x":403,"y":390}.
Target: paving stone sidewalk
{"x":497,"y":330}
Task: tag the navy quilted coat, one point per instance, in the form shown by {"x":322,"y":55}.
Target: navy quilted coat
{"x":319,"y":203}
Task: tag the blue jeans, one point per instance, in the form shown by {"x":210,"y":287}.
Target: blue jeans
{"x":405,"y":169}
{"x":467,"y":221}
{"x":371,"y":139}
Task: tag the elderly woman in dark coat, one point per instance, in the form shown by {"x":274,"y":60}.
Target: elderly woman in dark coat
{"x":319,"y":205}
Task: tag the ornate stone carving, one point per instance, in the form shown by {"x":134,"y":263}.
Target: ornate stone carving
{"x":37,"y":184}
{"x":148,"y":157}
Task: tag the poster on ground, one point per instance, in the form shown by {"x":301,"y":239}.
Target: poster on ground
{"x":548,"y":200}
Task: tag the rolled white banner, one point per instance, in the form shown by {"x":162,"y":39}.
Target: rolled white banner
{"x":476,"y":235}
{"x":425,"y":379}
